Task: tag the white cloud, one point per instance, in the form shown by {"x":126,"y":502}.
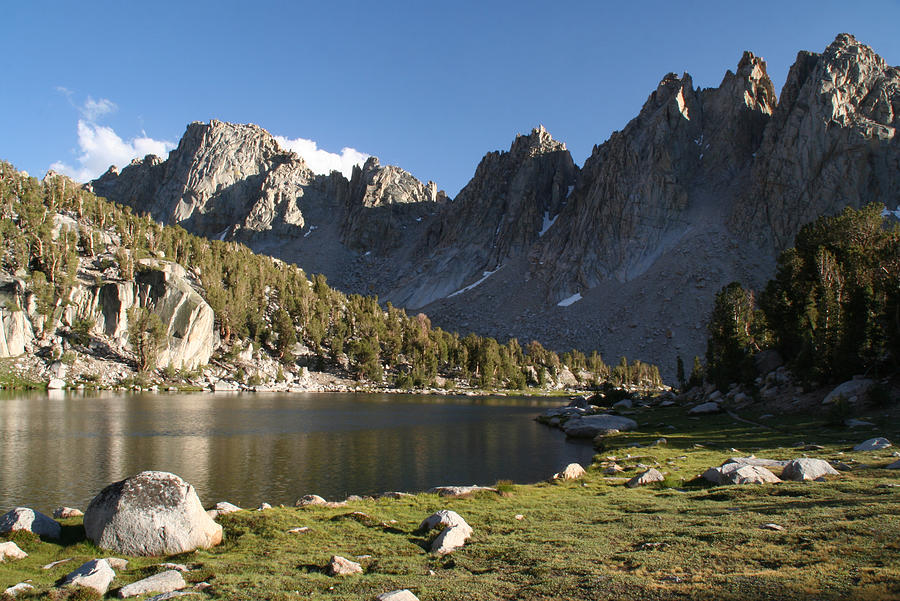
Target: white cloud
{"x":93,"y":109}
{"x":322,"y":161}
{"x":101,"y":147}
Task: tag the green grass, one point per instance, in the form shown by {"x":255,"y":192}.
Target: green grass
{"x":591,"y":539}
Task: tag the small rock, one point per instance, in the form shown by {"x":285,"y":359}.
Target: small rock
{"x":263,"y":507}
{"x":308,"y":500}
{"x":53,"y":564}
{"x":520,"y":517}
{"x":573,"y":471}
{"x":56,"y":384}
{"x":95,"y":574}
{"x":180,"y":567}
{"x":873,"y":444}
{"x":613,"y":469}
{"x":458,"y":491}
{"x":62,"y":513}
{"x":16,"y":590}
{"x":25,"y":518}
{"x":807,"y":469}
{"x":222,"y":508}
{"x":705,"y":408}
{"x":651,"y":475}
{"x":401,"y":595}
{"x":394,"y":495}
{"x":299,"y":530}
{"x":772,"y":527}
{"x":164,"y":582}
{"x":623,"y":404}
{"x":171,"y":595}
{"x":341,"y":566}
{"x":116,"y":563}
{"x":10,"y":550}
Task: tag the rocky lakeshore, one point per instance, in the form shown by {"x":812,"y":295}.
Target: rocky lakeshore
{"x":661,"y":511}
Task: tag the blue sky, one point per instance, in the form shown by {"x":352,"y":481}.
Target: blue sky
{"x":427,"y":86}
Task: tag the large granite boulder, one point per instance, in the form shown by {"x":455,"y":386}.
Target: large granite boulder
{"x":25,"y":518}
{"x":807,"y":469}
{"x":152,"y":513}
{"x":592,"y":425}
{"x":750,"y":474}
{"x":849,"y":390}
{"x":873,"y":444}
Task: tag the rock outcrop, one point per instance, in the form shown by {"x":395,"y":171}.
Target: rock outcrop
{"x":16,"y":332}
{"x":832,"y":143}
{"x":152,"y":513}
{"x":166,"y":289}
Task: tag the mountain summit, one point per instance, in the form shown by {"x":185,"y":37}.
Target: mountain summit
{"x":701,"y":188}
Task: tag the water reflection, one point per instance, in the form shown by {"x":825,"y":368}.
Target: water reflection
{"x":253,"y":448}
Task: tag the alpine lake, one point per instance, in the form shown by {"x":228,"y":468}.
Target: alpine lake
{"x":63,"y":448}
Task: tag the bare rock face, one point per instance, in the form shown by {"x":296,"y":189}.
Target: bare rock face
{"x":15,"y":328}
{"x":634,"y":196}
{"x":511,"y":201}
{"x":152,"y":513}
{"x":385,"y":202}
{"x":166,"y":289}
{"x":831,"y":143}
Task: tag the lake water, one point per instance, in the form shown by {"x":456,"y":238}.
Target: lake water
{"x":61,"y":449}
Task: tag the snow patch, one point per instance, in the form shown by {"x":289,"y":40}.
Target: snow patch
{"x":485,"y":275}
{"x":571,"y":189}
{"x":569,"y":301}
{"x":548,"y":222}
{"x":312,"y":228}
{"x":888,"y":212}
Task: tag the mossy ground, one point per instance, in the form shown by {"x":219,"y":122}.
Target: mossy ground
{"x":590,"y":539}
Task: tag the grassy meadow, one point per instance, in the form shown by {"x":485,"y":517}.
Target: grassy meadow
{"x":587,"y":539}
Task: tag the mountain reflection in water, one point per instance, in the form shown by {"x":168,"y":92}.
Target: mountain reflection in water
{"x":62,"y":449}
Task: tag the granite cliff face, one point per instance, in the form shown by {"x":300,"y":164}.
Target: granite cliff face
{"x":512,"y":201}
{"x":703,"y":187}
{"x":640,"y":191}
{"x":832,"y":143}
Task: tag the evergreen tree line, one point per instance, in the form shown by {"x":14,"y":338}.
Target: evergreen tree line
{"x":268,"y":301}
{"x":832,"y":310}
